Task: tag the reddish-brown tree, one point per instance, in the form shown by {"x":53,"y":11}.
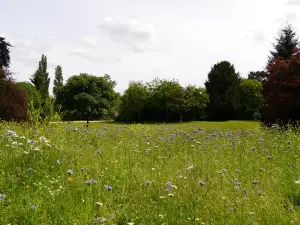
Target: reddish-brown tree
{"x":282,"y":91}
{"x":13,"y":100}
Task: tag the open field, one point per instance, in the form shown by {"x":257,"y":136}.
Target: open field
{"x":193,"y":173}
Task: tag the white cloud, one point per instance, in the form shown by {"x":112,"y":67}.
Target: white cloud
{"x":91,"y":57}
{"x":293,"y":2}
{"x":129,"y":33}
{"x":88,"y":42}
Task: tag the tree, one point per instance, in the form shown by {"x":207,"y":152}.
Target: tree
{"x":133,"y":101}
{"x":33,"y":95}
{"x":286,"y":45}
{"x":222,"y":86}
{"x":58,"y":80}
{"x":260,"y":76}
{"x":250,"y":99}
{"x":4,"y":53}
{"x":195,"y":99}
{"x":167,"y":96}
{"x":87,"y":96}
{"x":13,"y":101}
{"x":41,"y":78}
{"x":282,"y":91}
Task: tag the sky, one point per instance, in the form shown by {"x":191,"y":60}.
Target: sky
{"x":142,"y":39}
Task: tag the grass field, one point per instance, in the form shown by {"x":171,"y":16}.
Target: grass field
{"x":193,"y":173}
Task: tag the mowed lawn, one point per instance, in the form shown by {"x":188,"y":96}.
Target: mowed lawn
{"x":191,"y":173}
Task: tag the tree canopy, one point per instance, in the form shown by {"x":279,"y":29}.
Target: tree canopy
{"x":222,"y":86}
{"x":87,"y":96}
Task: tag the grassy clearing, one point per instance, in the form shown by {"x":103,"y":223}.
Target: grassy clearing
{"x":192,"y":173}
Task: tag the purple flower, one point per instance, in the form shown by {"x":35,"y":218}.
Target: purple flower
{"x":107,"y":187}
{"x":70,"y":172}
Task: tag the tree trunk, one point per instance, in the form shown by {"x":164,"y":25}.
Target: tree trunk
{"x":194,"y":113}
{"x":180,"y":116}
{"x":87,"y":121}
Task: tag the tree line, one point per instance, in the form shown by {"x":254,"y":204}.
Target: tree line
{"x":271,"y":95}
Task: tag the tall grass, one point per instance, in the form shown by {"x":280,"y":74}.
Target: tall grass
{"x":148,"y":174}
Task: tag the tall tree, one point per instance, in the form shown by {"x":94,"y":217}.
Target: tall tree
{"x":196,"y":99}
{"x":222,"y":86}
{"x":282,"y":91}
{"x":134,"y":100}
{"x":250,"y":99}
{"x":41,"y":78}
{"x":33,"y":94}
{"x":58,"y":80}
{"x":4,"y":53}
{"x":87,"y":96}
{"x":285,"y":46}
{"x":4,"y":59}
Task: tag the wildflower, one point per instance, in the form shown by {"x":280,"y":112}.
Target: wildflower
{"x":237,"y":171}
{"x":99,"y":152}
{"x":170,"y":186}
{"x":29,"y":169}
{"x":70,"y":172}
{"x":91,"y":182}
{"x":101,"y":220}
{"x":255,"y":182}
{"x":252,"y":213}
{"x":190,"y":167}
{"x":33,"y":207}
{"x":153,"y":169}
{"x":171,"y":194}
{"x":162,"y":197}
{"x":269,"y":157}
{"x":147,"y":182}
{"x":58,"y":162}
{"x":2,"y":196}
{"x":297,"y":181}
{"x":261,"y":169}
{"x":291,"y":210}
{"x":99,"y":203}
{"x":130,"y":223}
{"x":107,"y":187}
{"x":27,"y":186}
{"x":69,"y":179}
{"x":30,"y":141}
{"x":202,"y":183}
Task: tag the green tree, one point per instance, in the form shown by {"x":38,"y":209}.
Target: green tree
{"x":4,"y":53}
{"x":286,"y":44}
{"x":250,"y":99}
{"x":196,"y":99}
{"x":58,"y":80}
{"x":33,"y":95}
{"x":168,"y":96}
{"x":87,"y":96}
{"x":222,"y":86}
{"x":133,"y":101}
{"x":41,"y":78}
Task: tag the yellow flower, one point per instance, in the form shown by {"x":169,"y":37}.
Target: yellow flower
{"x":69,"y":179}
{"x":27,"y":186}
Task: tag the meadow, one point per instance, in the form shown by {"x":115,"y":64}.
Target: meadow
{"x":192,"y":173}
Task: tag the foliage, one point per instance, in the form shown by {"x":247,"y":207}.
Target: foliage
{"x":282,"y":91}
{"x":133,"y":101}
{"x":287,"y":44}
{"x":260,"y":76}
{"x":87,"y":96}
{"x":196,"y":99}
{"x":158,"y":174}
{"x":4,"y":53}
{"x":250,"y":99}
{"x":58,"y":81}
{"x":41,"y":78}
{"x":222,"y":86}
{"x":13,"y":101}
{"x":33,"y":94}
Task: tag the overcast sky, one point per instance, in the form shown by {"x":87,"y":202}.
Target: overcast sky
{"x":143,"y":39}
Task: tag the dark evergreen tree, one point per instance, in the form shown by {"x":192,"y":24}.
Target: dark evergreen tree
{"x":222,"y":86}
{"x":286,"y":45}
{"x":4,"y":53}
{"x":260,"y":76}
{"x":41,"y":78}
{"x":58,"y":81}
